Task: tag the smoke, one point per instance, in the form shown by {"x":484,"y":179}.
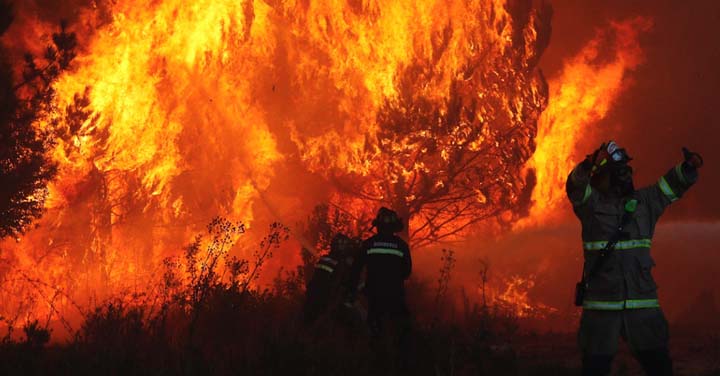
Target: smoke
{"x":685,"y":253}
{"x":670,"y":100}
{"x":33,"y":21}
{"x":667,"y":102}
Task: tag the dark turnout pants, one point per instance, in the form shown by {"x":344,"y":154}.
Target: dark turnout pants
{"x":317,"y":302}
{"x":645,"y":330}
{"x":387,"y":310}
{"x":390,"y":327}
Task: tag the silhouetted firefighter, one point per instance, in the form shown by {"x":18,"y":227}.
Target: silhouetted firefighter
{"x":617,"y":291}
{"x":325,"y":290}
{"x":388,"y":262}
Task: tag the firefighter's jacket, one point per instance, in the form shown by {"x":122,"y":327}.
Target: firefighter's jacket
{"x":324,"y":287}
{"x":624,"y":279}
{"x":388,"y":262}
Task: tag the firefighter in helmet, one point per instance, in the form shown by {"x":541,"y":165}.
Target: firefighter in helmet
{"x":388,"y":263}
{"x":617,"y":291}
{"x":324,"y":291}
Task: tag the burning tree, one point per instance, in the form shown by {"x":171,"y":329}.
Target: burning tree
{"x":174,"y":113}
{"x":449,"y":149}
{"x":25,"y":166}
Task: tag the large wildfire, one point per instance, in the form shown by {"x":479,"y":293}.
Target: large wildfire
{"x":174,"y":112}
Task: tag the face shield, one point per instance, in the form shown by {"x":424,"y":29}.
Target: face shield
{"x":616,"y":176}
{"x":621,"y":173}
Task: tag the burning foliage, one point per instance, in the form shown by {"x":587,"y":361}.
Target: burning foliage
{"x":447,"y":148}
{"x":26,"y":168}
{"x":208,"y":318}
{"x":434,"y":116}
{"x":167,"y":115}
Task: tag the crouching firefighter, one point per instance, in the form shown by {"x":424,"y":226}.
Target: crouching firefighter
{"x":617,"y":290}
{"x":387,"y":260}
{"x":324,"y":292}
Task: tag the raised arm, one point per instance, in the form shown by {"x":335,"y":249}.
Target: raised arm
{"x":578,"y":184}
{"x":578,"y":188}
{"x":673,"y":185}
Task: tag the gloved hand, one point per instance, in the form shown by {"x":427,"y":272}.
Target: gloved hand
{"x":692,"y":159}
{"x":598,"y":158}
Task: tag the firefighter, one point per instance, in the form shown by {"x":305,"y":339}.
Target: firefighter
{"x":617,"y":291}
{"x":324,"y":291}
{"x":388,"y":263}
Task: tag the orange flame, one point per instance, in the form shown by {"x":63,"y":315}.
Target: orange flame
{"x":580,"y":97}
{"x":176,"y":112}
{"x":181,"y":111}
{"x":516,"y":298}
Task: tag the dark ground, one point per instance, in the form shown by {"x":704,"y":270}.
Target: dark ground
{"x":260,"y":334}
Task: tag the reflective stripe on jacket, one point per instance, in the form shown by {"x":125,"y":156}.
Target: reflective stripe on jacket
{"x":388,"y":262}
{"x":327,"y":264}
